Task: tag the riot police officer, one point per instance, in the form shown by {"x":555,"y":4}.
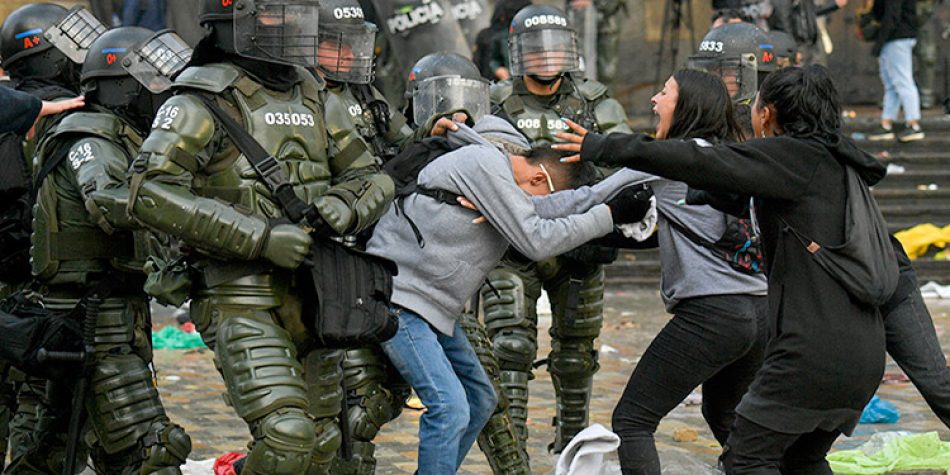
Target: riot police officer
{"x":192,"y":182}
{"x":362,"y":125}
{"x":84,"y":247}
{"x":739,"y":53}
{"x":34,"y":40}
{"x":544,"y":89}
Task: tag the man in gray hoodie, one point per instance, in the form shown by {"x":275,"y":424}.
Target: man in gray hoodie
{"x":513,"y":193}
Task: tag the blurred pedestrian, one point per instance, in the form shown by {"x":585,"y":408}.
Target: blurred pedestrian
{"x":894,"y":48}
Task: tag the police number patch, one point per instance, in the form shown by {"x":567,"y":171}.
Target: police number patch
{"x":289,"y":118}
{"x":554,"y":20}
{"x":712,"y":46}
{"x":80,"y":155}
{"x":348,"y":12}
{"x":552,"y":124}
{"x":356,"y":110}
{"x":165,"y":116}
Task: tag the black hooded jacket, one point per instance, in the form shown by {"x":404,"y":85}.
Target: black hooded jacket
{"x":826,"y":350}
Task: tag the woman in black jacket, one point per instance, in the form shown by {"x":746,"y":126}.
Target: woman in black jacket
{"x":826,"y":351}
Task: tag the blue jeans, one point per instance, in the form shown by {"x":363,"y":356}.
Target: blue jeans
{"x":897,"y":74}
{"x":451,"y":383}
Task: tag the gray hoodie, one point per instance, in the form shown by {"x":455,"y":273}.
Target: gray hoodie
{"x":436,"y":280}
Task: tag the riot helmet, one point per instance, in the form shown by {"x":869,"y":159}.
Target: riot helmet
{"x":130,"y":69}
{"x":443,"y":83}
{"x":275,"y":31}
{"x":738,"y":53}
{"x":542,"y":44}
{"x":786,"y":49}
{"x":26,"y":53}
{"x":347,"y":42}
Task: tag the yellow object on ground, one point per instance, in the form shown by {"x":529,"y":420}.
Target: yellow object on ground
{"x":918,"y":239}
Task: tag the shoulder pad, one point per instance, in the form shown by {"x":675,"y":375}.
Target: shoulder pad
{"x":591,"y":90}
{"x":98,"y":124}
{"x":213,"y":78}
{"x":501,"y":91}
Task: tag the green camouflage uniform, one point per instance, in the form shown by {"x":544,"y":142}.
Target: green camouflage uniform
{"x":191,"y":182}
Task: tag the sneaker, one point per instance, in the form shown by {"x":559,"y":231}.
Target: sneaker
{"x":881,"y":134}
{"x":910,"y":134}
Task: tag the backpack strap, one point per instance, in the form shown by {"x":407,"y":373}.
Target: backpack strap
{"x":690,"y":234}
{"x":266,"y":166}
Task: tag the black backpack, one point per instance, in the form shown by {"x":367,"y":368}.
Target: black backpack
{"x":739,"y":244}
{"x":404,"y":169}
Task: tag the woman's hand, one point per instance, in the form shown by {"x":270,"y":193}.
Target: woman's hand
{"x":466,"y":203}
{"x":574,"y":141}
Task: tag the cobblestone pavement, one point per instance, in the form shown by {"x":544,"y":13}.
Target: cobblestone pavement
{"x":191,"y":389}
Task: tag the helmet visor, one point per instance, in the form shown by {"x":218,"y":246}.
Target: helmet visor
{"x":443,"y":95}
{"x":75,"y":33}
{"x":155,"y":62}
{"x":544,"y":52}
{"x":739,"y":74}
{"x":345,"y":53}
{"x":277,"y":31}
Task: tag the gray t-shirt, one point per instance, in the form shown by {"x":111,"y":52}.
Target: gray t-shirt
{"x":688,"y":269}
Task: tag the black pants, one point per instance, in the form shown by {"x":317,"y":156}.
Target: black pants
{"x":717,"y":341}
{"x":912,"y":342}
{"x":755,"y":450}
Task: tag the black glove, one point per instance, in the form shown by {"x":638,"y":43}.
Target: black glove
{"x":57,"y":333}
{"x":630,"y":205}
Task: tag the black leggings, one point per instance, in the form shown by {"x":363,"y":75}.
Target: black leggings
{"x":756,"y":450}
{"x":717,"y":341}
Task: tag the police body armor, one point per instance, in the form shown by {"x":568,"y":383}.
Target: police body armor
{"x":66,"y":248}
{"x":241,"y":297}
{"x":574,"y":281}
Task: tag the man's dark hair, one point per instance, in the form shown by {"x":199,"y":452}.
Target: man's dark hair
{"x":805,"y":101}
{"x":564,"y":175}
{"x":703,"y":108}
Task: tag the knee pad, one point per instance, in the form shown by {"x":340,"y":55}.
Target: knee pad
{"x":572,"y":358}
{"x":123,"y":401}
{"x":283,"y":443}
{"x":258,"y":362}
{"x":372,"y":408}
{"x":516,"y":348}
{"x":166,"y":449}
